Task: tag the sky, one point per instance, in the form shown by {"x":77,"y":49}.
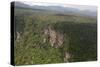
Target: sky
{"x":88,"y":4}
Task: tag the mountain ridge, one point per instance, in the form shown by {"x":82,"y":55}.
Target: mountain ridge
{"x":60,"y":9}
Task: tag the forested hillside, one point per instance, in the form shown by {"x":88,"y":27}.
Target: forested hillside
{"x":43,"y":37}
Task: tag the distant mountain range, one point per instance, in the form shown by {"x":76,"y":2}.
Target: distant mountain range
{"x":60,"y":9}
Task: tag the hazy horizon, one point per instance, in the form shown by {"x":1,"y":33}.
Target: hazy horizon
{"x":80,"y":7}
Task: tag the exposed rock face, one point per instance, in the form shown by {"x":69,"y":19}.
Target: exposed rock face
{"x":59,"y":39}
{"x":54,"y":37}
{"x":18,"y":35}
{"x":67,"y":57}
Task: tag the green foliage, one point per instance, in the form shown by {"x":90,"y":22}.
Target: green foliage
{"x":80,"y":36}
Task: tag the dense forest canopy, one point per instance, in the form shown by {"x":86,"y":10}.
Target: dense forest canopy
{"x":74,"y":37}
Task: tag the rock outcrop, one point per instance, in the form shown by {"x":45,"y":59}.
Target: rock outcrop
{"x":54,"y":37}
